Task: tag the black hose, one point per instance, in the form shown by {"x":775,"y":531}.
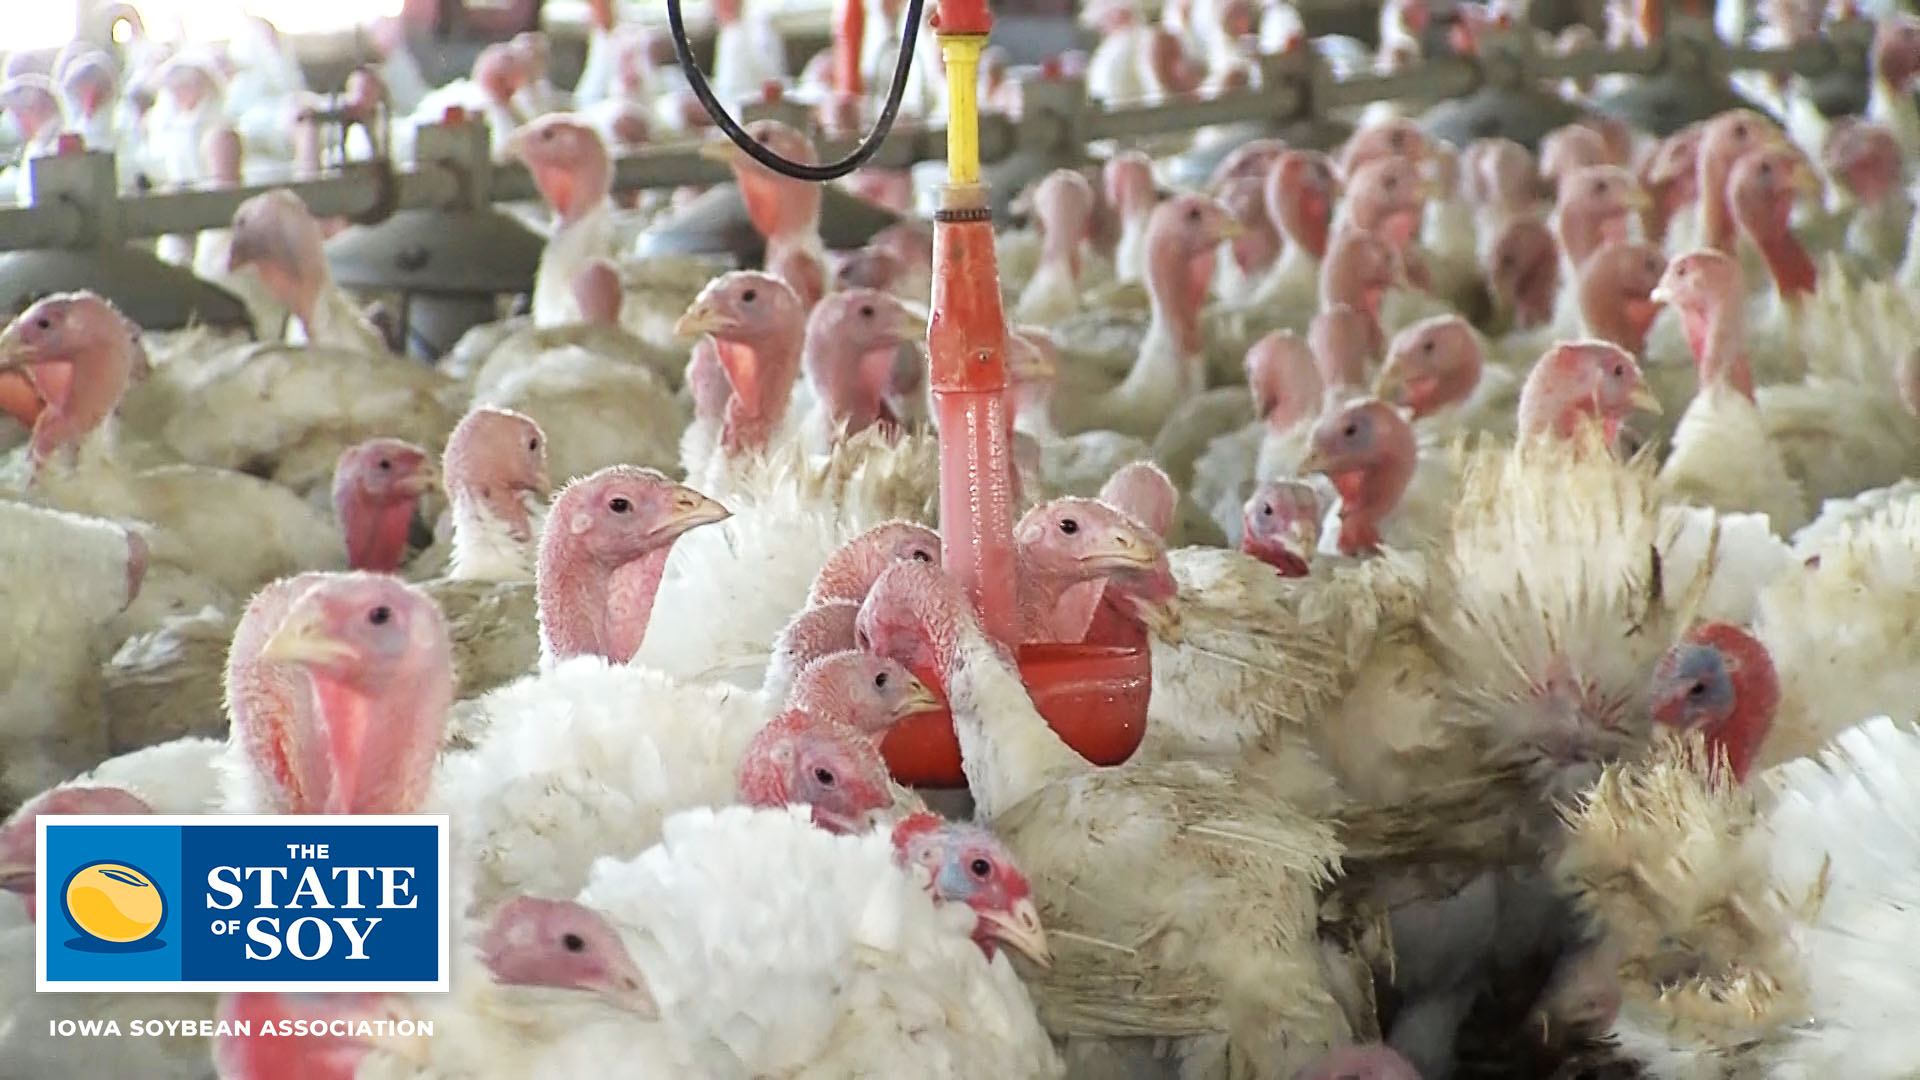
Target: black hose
{"x":819,"y":174}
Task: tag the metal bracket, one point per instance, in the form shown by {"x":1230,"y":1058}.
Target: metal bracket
{"x":80,"y":189}
{"x":1053,"y":114}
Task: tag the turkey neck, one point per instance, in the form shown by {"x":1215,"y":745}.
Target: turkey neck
{"x":1791,"y":267}
{"x":1743,"y":730}
{"x":1257,"y":248}
{"x":782,"y":211}
{"x":631,"y":589}
{"x":1306,"y":220}
{"x":1582,"y":233}
{"x":1060,"y":246}
{"x":1716,"y":215}
{"x":1623,"y":320}
{"x":333,"y":320}
{"x":492,"y":527}
{"x":1717,"y":334}
{"x":376,"y":532}
{"x":382,"y":745}
{"x":1007,"y":749}
{"x":760,"y":376}
{"x":588,"y":608}
{"x":1045,"y":611}
{"x":96,"y":378}
{"x":843,"y":379}
{"x":1177,"y":289}
{"x":578,"y":238}
{"x":1368,"y":496}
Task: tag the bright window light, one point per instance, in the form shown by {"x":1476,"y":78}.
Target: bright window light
{"x":45,"y":25}
{"x":216,"y":19}
{"x":49,"y":24}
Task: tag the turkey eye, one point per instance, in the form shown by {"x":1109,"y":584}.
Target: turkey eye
{"x":880,"y":681}
{"x":385,"y":464}
{"x":43,"y":323}
{"x":980,"y":867}
{"x":1697,"y":690}
{"x":1351,"y":431}
{"x":1619,"y":371}
{"x":619,"y":504}
{"x":1266,"y":510}
{"x":380,"y":616}
{"x":1426,"y":346}
{"x":533,"y":444}
{"x":1193,"y":214}
{"x":747,"y":297}
{"x":866,"y":311}
{"x":1069,"y":526}
{"x":574,"y":942}
{"x":1392,"y":182}
{"x":922,"y":556}
{"x":823,"y":776}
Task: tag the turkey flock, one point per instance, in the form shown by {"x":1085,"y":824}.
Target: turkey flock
{"x":1527,"y":545}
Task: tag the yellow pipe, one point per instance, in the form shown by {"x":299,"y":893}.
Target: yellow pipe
{"x":961,"y":52}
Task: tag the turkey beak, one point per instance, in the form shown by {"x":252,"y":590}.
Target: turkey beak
{"x":1805,"y":182}
{"x":1118,"y":553}
{"x":1387,"y":387}
{"x":427,"y":479}
{"x":303,"y":639}
{"x":919,"y":699}
{"x":627,"y":989}
{"x":15,"y":354}
{"x":516,"y":145}
{"x":1638,"y":200}
{"x":1644,"y":399}
{"x":1031,"y":365}
{"x":538,"y":485}
{"x":1316,"y":461}
{"x":699,"y":319}
{"x":1304,"y":535}
{"x":1019,"y":929}
{"x":16,"y":877}
{"x":1662,"y":293}
{"x":690,"y":511}
{"x":912,"y":324}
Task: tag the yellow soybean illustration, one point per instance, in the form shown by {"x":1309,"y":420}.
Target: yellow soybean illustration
{"x":114,"y":902}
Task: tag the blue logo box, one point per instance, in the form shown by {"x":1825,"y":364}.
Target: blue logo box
{"x":322,"y":904}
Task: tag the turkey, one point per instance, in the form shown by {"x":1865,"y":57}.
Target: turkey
{"x":1137,"y":972}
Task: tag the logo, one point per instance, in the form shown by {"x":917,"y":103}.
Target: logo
{"x":116,"y":908}
{"x":235,"y":904}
